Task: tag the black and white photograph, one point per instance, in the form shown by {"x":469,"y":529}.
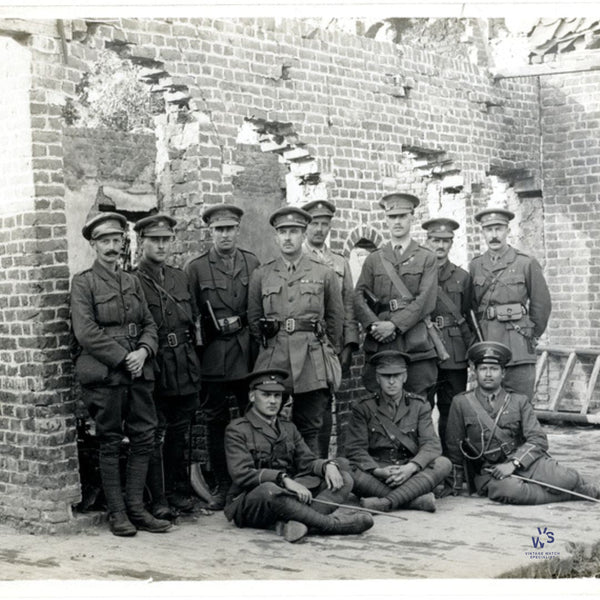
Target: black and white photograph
{"x":299,"y":300}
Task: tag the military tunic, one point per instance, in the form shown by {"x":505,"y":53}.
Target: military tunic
{"x":518,"y":436}
{"x":515,"y":279}
{"x":456,"y":335}
{"x":417,"y":268}
{"x":257,"y":453}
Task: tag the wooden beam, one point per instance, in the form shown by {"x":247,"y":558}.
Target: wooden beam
{"x":590,"y":388}
{"x":539,"y":368}
{"x":558,"y":67}
{"x":563,"y":381}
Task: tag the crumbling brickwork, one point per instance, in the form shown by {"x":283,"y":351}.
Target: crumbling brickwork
{"x":375,"y":116}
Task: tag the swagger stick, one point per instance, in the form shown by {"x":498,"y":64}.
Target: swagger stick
{"x":359,"y":508}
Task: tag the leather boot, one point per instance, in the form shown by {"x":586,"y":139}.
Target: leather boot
{"x":137,"y":468}
{"x":291,"y":531}
{"x":290,"y":509}
{"x":110,"y":474}
{"x":120,"y":524}
{"x":426,"y":503}
{"x":587,"y":489}
{"x":177,"y":485}
{"x":216,"y":450}
{"x":155,"y":482}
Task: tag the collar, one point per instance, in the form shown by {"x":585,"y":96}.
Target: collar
{"x":289,"y":263}
{"x":257,"y":419}
{"x":155,"y":270}
{"x":105,"y":272}
{"x":498,"y":395}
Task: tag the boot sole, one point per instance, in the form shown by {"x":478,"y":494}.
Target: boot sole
{"x":291,"y":531}
{"x":127,"y":533}
{"x":154,"y":529}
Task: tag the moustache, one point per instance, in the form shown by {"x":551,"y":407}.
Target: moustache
{"x":112,"y":253}
{"x":494,"y":240}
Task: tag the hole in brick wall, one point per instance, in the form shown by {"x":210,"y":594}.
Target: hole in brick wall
{"x":358,"y":254}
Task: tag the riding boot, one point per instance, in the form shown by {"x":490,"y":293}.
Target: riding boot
{"x":338,"y":497}
{"x":118,"y":521}
{"x":216,"y":450}
{"x":290,"y":509}
{"x":155,"y":482}
{"x":177,"y":486}
{"x":137,"y":469}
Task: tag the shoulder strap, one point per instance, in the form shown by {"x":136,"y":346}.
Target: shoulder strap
{"x":449,"y":305}
{"x":394,"y":433}
{"x":395,"y":278}
{"x":486,"y":420}
{"x":160,"y":289}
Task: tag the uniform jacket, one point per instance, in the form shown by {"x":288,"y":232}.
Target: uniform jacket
{"x":178,"y":366}
{"x":101,"y":299}
{"x":456,"y":283}
{"x":257,"y":453}
{"x":521,"y":281}
{"x":309,"y":293}
{"x":227,"y":357}
{"x":418,"y":270}
{"x":368,"y":444}
{"x":526,"y":440}
{"x":342,"y":269}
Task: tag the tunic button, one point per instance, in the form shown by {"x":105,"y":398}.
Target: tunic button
{"x":290,"y":284}
{"x":169,"y":312}
{"x":127,"y":307}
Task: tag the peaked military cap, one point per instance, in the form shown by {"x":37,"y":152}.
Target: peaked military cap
{"x":319,"y":208}
{"x":441,"y":227}
{"x":104,"y":224}
{"x":268,"y":380}
{"x":398,"y":203}
{"x":389,"y":362}
{"x":490,"y":353}
{"x":222,"y":215}
{"x":159,"y":225}
{"x":494,"y":216}
{"x":289,"y":216}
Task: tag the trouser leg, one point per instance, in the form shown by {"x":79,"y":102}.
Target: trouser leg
{"x":367,"y":485}
{"x":450,"y":383}
{"x":307,"y":415}
{"x":421,"y":376}
{"x":337,"y":497}
{"x":326,"y":429}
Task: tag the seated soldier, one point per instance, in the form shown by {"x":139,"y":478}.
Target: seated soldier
{"x":275,"y":475}
{"x":498,"y":435}
{"x":395,"y":454}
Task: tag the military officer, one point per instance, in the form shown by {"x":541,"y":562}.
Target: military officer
{"x":276,"y":478}
{"x":396,"y":290}
{"x":219,"y":282}
{"x":315,"y":245}
{"x":511,"y":298}
{"x":451,"y":314}
{"x":395,"y":454}
{"x":116,"y":339}
{"x":167,"y":292}
{"x":295,"y":310}
{"x":497,"y":434}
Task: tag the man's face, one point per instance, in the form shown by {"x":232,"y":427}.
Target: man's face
{"x":225,"y":238}
{"x":108,"y":248}
{"x":399,"y":225}
{"x":391,"y":384}
{"x":489,"y":377}
{"x":318,"y":230}
{"x":290,"y":240}
{"x":266,"y":403}
{"x":156,"y":249}
{"x":441,"y":247}
{"x":495,"y":237}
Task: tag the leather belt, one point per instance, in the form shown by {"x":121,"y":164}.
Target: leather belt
{"x":131,"y":330}
{"x":175,"y":338}
{"x":492,"y":312}
{"x":232,"y":324}
{"x":291,"y":325}
{"x":441,"y":322}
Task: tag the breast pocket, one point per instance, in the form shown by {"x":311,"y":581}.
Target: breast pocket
{"x":107,"y":308}
{"x":210,"y":289}
{"x":312,"y":295}
{"x":270,"y":293}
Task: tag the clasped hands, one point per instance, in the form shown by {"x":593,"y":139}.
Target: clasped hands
{"x":134,"y":361}
{"x":395,"y":475}
{"x":383,"y":332}
{"x":333,"y":479}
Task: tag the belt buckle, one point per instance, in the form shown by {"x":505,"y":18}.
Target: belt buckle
{"x":440,"y":322}
{"x":172,"y":340}
{"x":224,"y":325}
{"x":132,"y":330}
{"x":506,"y":447}
{"x":490,"y":312}
{"x":394,"y":306}
{"x":290,"y":325}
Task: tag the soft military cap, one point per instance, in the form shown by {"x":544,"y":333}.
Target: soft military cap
{"x":268,"y":380}
{"x":389,"y":362}
{"x":494,"y":216}
{"x":159,"y":225}
{"x":398,"y":204}
{"x":319,"y":208}
{"x":489,"y":353}
{"x":290,"y":216}
{"x":440,"y":227}
{"x":223,"y":215}
{"x":104,"y":224}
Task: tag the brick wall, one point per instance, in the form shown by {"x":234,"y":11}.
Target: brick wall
{"x":375,"y":116}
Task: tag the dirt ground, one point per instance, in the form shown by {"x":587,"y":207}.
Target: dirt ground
{"x":466,"y":538}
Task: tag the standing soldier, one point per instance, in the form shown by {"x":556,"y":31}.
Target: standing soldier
{"x":511,"y":299}
{"x":451,"y":315}
{"x":219,"y":281}
{"x":116,"y":340}
{"x":295,"y":310}
{"x":317,"y":231}
{"x":395,"y":292}
{"x":178,"y":374}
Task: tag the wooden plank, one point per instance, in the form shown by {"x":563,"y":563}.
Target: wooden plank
{"x":539,"y":368}
{"x":564,"y":351}
{"x":590,"y":388}
{"x":566,"y":65}
{"x":563,"y":381}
